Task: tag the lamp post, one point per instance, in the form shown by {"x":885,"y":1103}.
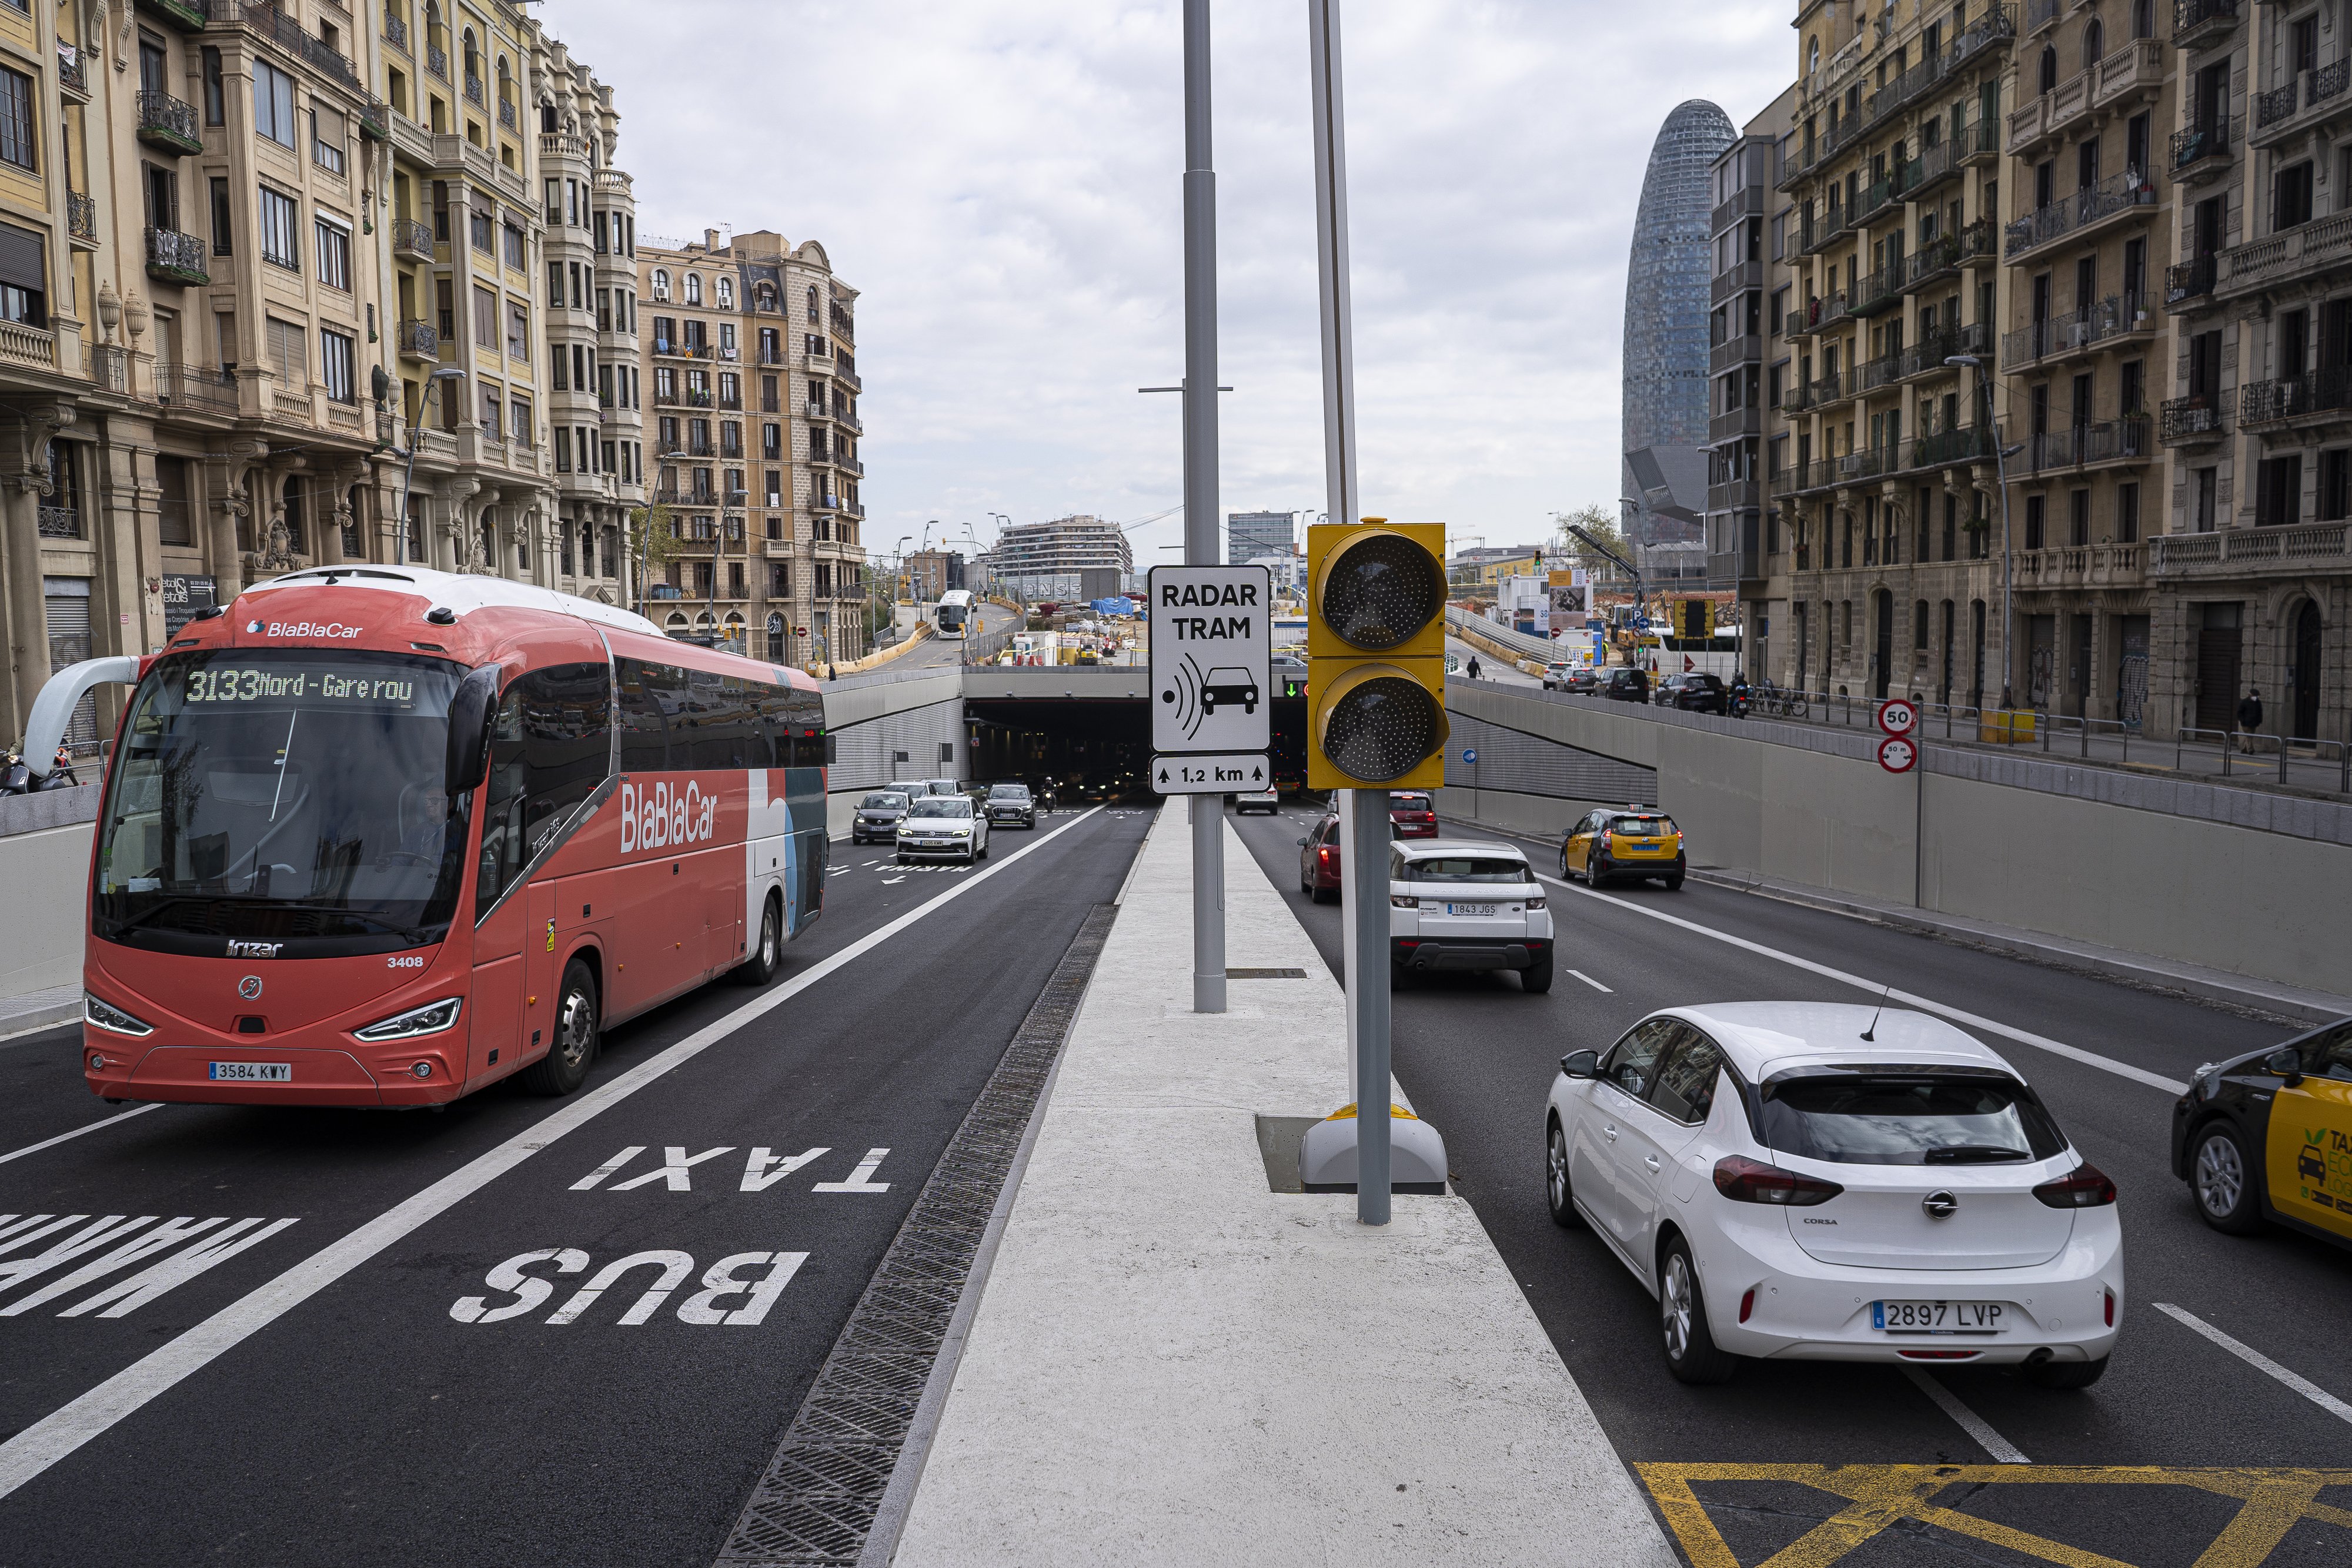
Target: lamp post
{"x":446,"y":372}
{"x":2000,"y":472}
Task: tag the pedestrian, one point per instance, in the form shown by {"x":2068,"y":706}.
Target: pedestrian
{"x":829,"y":673}
{"x":2250,"y":718}
{"x":1474,"y":666}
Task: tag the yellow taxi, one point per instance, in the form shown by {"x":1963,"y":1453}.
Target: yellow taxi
{"x":1611,"y":845}
{"x":2266,"y":1139}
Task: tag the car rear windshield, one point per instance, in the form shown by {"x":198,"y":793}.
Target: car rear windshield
{"x":1410,"y":803}
{"x":1008,"y":791}
{"x":1643,"y":827}
{"x":879,"y":800}
{"x":1466,"y":868}
{"x":1908,"y":1120}
{"x":940,"y":806}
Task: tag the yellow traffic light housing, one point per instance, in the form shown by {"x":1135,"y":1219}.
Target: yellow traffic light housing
{"x":1376,"y":655}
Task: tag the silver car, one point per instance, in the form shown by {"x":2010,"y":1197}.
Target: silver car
{"x":942,"y":827}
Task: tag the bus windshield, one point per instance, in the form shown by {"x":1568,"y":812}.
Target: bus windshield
{"x":283,"y":795}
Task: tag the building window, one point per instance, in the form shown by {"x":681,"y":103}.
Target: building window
{"x":327,"y":140}
{"x":338,"y":356}
{"x":515,"y":255}
{"x":224,"y":227}
{"x":24,"y":276}
{"x":661,"y":283}
{"x":273,"y":103}
{"x":280,"y":215}
{"x":2126,"y":514}
{"x":492,"y":401}
{"x":520,"y":410}
{"x":484,"y":232}
{"x":694,"y":288}
{"x":334,"y":255}
{"x":486,"y":319}
{"x":216,"y":99}
{"x":517,"y":331}
{"x":16,"y":143}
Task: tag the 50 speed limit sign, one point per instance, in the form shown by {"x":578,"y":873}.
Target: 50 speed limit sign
{"x":1898,"y":715}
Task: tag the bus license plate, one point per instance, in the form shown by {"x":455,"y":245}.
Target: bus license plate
{"x":1935,"y":1317}
{"x":253,"y":1071}
{"x":1470,"y":909}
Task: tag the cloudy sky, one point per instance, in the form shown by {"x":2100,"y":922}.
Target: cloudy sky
{"x":1001,"y":179}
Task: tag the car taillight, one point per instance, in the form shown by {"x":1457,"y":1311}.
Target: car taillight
{"x":2111,"y":1308}
{"x":2085,"y":1186}
{"x":1748,"y":1304}
{"x":1536,"y":903}
{"x":1744,"y":1180}
{"x":1324,"y":854}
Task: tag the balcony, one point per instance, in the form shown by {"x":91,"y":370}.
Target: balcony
{"x":2082,"y":566}
{"x":681,"y":399}
{"x":2189,"y":285}
{"x":1748,"y":202}
{"x":2197,"y":419}
{"x":1735,"y":280}
{"x":169,"y":123}
{"x":2202,"y":152}
{"x":268,"y":22}
{"x":1883,"y":194}
{"x":2297,"y":399}
{"x":2088,"y":209}
{"x":2289,"y":550}
{"x":2083,"y":445}
{"x":410,"y":240}
{"x":2302,"y":102}
{"x":669,"y":349}
{"x":1944,"y":257}
{"x":1966,"y":444}
{"x":436,"y":61}
{"x":1729,"y":354}
{"x":60,"y":523}
{"x":194,"y":388}
{"x":1801,"y":159}
{"x":417,"y":340}
{"x":1818,"y":316}
{"x":1934,"y":166}
{"x":2196,"y":23}
{"x":1927,"y":357}
{"x":175,"y":257}
{"x":1981,"y":143}
{"x":2116,"y":315}
{"x":1817,"y":237}
{"x":2040,"y":13}
{"x":2317,"y":246}
{"x":186,"y":15}
{"x":30,"y":347}
{"x":1722,"y":427}
{"x":81,"y":218}
{"x":1874,"y":375}
{"x":1880,"y":290}
{"x":396,"y":31}
{"x":69,"y":75}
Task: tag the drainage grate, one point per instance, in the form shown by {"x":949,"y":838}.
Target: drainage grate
{"x":1266,"y":974}
{"x":816,"y":1503}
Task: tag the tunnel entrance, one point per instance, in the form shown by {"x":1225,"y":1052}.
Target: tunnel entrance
{"x":1095,"y":747}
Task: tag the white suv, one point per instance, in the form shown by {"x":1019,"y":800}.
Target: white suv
{"x":1455,"y":904}
{"x":1817,"y":1182}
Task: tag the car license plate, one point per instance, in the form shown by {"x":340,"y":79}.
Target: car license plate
{"x":1471,"y":908}
{"x":1936,"y":1317}
{"x":252,"y":1073}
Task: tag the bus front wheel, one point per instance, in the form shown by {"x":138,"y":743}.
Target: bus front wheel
{"x":565,"y":1066}
{"x":760,"y":967}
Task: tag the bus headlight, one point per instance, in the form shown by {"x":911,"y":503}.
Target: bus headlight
{"x":430,"y":1018}
{"x":113,"y":1020}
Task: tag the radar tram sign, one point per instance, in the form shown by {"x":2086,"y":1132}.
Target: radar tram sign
{"x":1212,"y":671}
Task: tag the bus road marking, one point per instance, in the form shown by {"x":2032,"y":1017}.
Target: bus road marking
{"x":77,"y":1132}
{"x":719,"y":1283}
{"x":36,"y":1447}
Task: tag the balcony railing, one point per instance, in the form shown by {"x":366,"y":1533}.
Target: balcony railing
{"x":2113,"y":317}
{"x":436,"y":61}
{"x":2040,"y":13}
{"x":196,"y":386}
{"x":2115,"y":194}
{"x":412,"y":240}
{"x":81,"y":217}
{"x":2189,"y":282}
{"x":169,"y":122}
{"x":175,"y":257}
{"x":396,"y":31}
{"x":2072,"y":447}
{"x":29,"y":346}
{"x":187,"y":15}
{"x":69,"y":75}
{"x":417,"y":340}
{"x":1947,"y":252}
{"x":473,"y":94}
{"x":60,"y":523}
{"x":1878,"y":290}
{"x":2193,"y":18}
{"x":1882,"y":193}
{"x":1928,"y":355}
{"x":2198,"y":143}
{"x":2197,"y":418}
{"x":2278,"y":103}
{"x":506,"y":114}
{"x":2305,"y":91}
{"x":2292,"y":397}
{"x":2275,"y":547}
{"x":2322,"y":242}
{"x":268,"y":21}
{"x":1965,"y":444}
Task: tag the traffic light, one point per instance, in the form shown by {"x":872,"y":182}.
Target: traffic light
{"x":1376,"y":655}
{"x":1694,"y":619}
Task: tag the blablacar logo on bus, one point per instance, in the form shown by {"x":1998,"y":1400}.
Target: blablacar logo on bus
{"x":299,"y":629}
{"x":655,"y":817}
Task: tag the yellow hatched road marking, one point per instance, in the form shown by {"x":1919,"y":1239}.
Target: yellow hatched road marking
{"x":1879,"y":1497}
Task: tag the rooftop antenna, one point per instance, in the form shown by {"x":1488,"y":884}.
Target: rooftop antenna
{"x":1871,"y":1034}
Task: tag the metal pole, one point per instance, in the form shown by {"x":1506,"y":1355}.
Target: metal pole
{"x":1363,"y":870}
{"x":1201,"y":475}
{"x":2008,"y":604}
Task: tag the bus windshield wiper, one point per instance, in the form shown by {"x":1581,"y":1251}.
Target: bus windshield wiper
{"x":1974,"y":1154}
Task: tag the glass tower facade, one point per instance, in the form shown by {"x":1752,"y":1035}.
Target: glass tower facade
{"x":1667,"y":281}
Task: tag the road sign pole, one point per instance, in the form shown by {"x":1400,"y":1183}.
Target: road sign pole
{"x":1201,"y":475}
{"x":1364,"y":868}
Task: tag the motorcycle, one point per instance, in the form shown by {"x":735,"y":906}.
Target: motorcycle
{"x":17,"y":778}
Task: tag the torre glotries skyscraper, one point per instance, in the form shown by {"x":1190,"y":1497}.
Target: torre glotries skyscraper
{"x":1666,"y":330}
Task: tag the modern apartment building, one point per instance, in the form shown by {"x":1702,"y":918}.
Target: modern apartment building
{"x":748,"y":353}
{"x":1881,"y":464}
{"x":1252,"y":536}
{"x":1080,"y":556}
{"x":265,"y":270}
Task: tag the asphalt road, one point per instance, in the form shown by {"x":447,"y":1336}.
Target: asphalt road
{"x":1477,"y":1057}
{"x":371,"y":1422}
{"x":1490,"y":668}
{"x":938,"y":651}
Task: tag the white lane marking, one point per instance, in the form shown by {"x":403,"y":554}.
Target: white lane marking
{"x":1977,"y":1426}
{"x":1590,"y":981}
{"x":77,"y":1132}
{"x":45,"y":1442}
{"x":891,"y":881}
{"x":2259,"y":1361}
{"x":1924,"y":1004}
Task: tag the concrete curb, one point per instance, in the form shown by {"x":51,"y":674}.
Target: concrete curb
{"x":2307,"y":1007}
{"x":17,"y":1022}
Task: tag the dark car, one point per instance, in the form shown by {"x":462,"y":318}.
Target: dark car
{"x":2246,"y":1122}
{"x":1412,"y":814}
{"x":1583,"y":678}
{"x":878,"y":817}
{"x":1693,"y":693}
{"x":1626,"y":684}
{"x":1319,"y":861}
{"x":1011,"y":805}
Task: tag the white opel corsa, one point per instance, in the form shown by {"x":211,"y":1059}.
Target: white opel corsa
{"x":1808,"y":1181}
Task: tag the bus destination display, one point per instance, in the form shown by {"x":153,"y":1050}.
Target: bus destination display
{"x":376,"y":689}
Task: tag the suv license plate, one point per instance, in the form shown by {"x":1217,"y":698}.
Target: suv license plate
{"x":1471,"y":908}
{"x":1936,"y":1317}
{"x":252,"y":1072}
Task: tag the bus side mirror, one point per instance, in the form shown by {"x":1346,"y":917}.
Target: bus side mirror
{"x":470,"y":711}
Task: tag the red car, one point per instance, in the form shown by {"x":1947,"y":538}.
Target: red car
{"x":1413,"y":814}
{"x":1319,"y":861}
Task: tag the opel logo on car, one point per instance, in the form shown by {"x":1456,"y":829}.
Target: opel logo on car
{"x":1939,"y":1205}
{"x":250,"y":988}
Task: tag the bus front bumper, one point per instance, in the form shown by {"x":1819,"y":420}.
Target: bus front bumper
{"x":117,"y":1068}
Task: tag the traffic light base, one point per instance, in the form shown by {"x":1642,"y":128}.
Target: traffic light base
{"x":1327,"y":1154}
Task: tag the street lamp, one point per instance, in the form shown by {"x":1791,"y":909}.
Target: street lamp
{"x":2000,"y":472}
{"x":446,"y":373}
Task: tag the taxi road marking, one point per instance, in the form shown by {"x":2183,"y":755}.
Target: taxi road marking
{"x":64,"y":1430}
{"x":2040,"y":1042}
{"x":1881,"y":1497}
{"x":2259,"y":1361}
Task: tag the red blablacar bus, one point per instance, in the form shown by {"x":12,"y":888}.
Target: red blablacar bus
{"x":382,"y":836}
